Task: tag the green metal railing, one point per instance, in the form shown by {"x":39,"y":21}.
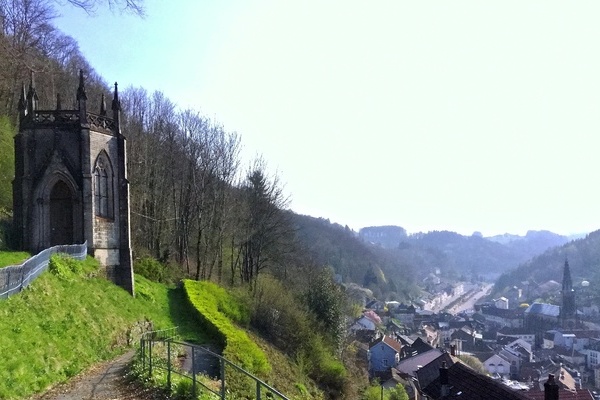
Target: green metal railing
{"x":167,"y":339}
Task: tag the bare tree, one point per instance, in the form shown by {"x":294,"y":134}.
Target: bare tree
{"x":264,"y":224}
{"x":91,"y":6}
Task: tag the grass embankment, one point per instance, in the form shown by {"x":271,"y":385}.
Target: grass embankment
{"x":70,"y":318}
{"x":219,"y":311}
{"x":12,"y":258}
{"x":228,"y":318}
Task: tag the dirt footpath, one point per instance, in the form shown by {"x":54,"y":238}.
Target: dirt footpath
{"x":105,"y":381}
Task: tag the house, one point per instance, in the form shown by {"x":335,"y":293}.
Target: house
{"x":501,"y":303}
{"x":548,"y":339}
{"x":497,"y":364}
{"x":466,"y":339}
{"x":570,"y":357}
{"x":416,"y":347}
{"x":395,"y":327}
{"x":576,"y":339}
{"x":422,"y":370}
{"x":373,"y":316}
{"x":592,"y":351}
{"x":363,"y":324}
{"x":390,"y":379}
{"x":564,"y":379}
{"x":514,"y":295}
{"x":430,"y":335}
{"x":461,"y":382}
{"x":517,"y":333}
{"x":493,"y":315}
{"x":404,"y":313}
{"x":517,"y":353}
{"x":384,"y":353}
{"x":375,"y":305}
{"x":554,"y":389}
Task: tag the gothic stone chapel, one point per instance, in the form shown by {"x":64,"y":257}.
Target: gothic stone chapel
{"x":71,"y":181}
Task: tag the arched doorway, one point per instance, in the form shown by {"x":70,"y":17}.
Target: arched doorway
{"x":61,"y":214}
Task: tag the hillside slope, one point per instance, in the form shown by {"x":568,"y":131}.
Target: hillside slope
{"x":67,"y":320}
{"x":71,"y":318}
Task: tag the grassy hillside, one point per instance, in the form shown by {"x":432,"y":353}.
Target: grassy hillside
{"x":228,"y":317}
{"x":68,"y":319}
{"x":71,"y":317}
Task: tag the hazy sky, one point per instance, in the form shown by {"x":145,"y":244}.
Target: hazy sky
{"x":456,"y":115}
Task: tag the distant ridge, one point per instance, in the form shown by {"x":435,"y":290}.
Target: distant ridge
{"x":465,"y":255}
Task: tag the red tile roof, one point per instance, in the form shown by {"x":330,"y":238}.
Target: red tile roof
{"x":389,"y":341}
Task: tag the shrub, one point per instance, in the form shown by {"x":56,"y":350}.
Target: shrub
{"x":64,"y":266}
{"x":217,"y":309}
{"x":280,"y":317}
{"x":324,"y":367}
{"x":6,"y":229}
{"x":151,"y":269}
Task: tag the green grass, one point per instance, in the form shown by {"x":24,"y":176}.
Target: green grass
{"x":71,"y":317}
{"x":219,"y":310}
{"x":228,"y":317}
{"x":12,"y":258}
{"x":67,"y":320}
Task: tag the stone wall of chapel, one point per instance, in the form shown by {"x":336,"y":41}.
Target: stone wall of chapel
{"x":106,"y":231}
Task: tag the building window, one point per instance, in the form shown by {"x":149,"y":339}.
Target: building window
{"x":385,"y":362}
{"x":103,"y":187}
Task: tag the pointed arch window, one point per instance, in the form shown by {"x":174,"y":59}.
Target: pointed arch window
{"x":103,"y":187}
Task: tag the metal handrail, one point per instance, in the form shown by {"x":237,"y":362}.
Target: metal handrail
{"x":147,"y":343}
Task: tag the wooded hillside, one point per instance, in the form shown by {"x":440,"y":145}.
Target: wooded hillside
{"x":583,"y":256}
{"x":196,"y":211}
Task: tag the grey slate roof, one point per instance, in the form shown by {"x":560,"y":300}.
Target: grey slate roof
{"x":548,"y":310}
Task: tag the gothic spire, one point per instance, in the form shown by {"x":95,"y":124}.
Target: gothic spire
{"x":32,"y":97}
{"x":22,"y":106}
{"x":567,"y":283}
{"x":116,"y":109}
{"x":102,"y":105}
{"x":81,"y":95}
{"x":116,"y":103}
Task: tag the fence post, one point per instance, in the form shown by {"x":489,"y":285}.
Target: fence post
{"x":169,"y":364}
{"x":150,"y":343}
{"x":193,"y":372}
{"x":257,"y":390}
{"x":222,"y":378}
{"x":143,"y":353}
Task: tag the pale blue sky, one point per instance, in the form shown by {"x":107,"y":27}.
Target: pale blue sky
{"x":461,"y":115}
